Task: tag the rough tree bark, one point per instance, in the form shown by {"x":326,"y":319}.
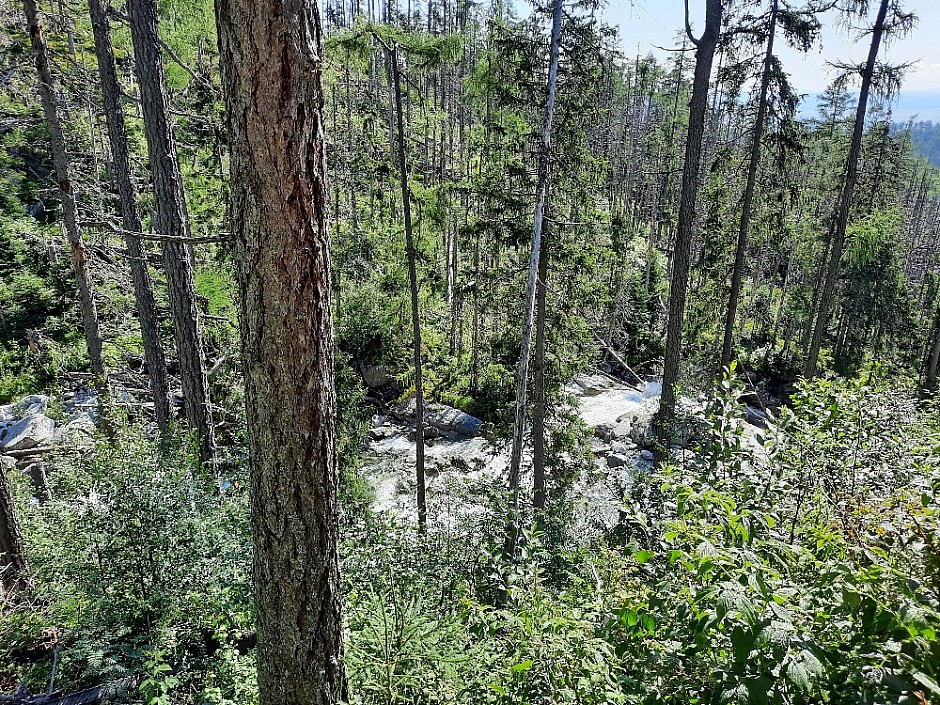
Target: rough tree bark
{"x":272,"y":63}
{"x":704,"y":55}
{"x":60,"y":161}
{"x":737,"y":273}
{"x":121,"y":161}
{"x":845,"y":198}
{"x":171,"y":219}
{"x":522,"y":382}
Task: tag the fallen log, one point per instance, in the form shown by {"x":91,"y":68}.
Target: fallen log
{"x":617,"y":357}
{"x":29,"y":453}
{"x":90,"y":696}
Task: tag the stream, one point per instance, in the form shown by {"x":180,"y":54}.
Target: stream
{"x":459,"y":469}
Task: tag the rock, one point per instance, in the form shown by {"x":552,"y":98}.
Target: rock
{"x":80,"y":428}
{"x":621,"y":448}
{"x":7,"y":463}
{"x":641,"y":432}
{"x":617,"y":461}
{"x":750,"y":399}
{"x":647,"y":455}
{"x":446,"y":419}
{"x":756,"y":417}
{"x":621,"y":431}
{"x":404,"y":411}
{"x":380,"y":433}
{"x":84,"y":399}
{"x":33,"y":404}
{"x":453,"y":421}
{"x":592,"y":385}
{"x":375,"y":375}
{"x":430,"y":433}
{"x":29,"y":432}
{"x":37,"y":474}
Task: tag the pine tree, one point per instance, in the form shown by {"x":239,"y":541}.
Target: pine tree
{"x":121,"y":164}
{"x":704,"y":54}
{"x":66,"y":187}
{"x":272,"y":67}
{"x":171,"y":221}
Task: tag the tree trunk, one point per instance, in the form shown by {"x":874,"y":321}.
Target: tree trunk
{"x":538,"y":391}
{"x":272,"y":62}
{"x":120,"y":158}
{"x":934,"y":360}
{"x":523,"y":377}
{"x":14,"y":570}
{"x":475,"y":333}
{"x":351,"y":157}
{"x":845,"y":199}
{"x":704,"y":55}
{"x":413,"y":281}
{"x":60,"y":161}
{"x":781,"y":304}
{"x":737,"y":272}
{"x":171,"y":220}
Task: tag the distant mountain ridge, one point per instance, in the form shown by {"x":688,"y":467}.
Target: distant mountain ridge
{"x":925,"y":135}
{"x":917,"y":105}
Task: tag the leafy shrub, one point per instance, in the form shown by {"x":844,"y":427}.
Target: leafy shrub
{"x":141,"y":558}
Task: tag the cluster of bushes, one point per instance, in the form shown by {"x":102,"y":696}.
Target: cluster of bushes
{"x":797,"y":566}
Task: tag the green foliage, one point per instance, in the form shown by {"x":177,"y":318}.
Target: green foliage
{"x":216,"y":285}
{"x":794,"y":566}
{"x":142,"y":560}
{"x":782,"y":573}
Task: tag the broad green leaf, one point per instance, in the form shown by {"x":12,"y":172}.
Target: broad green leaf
{"x":523,"y":666}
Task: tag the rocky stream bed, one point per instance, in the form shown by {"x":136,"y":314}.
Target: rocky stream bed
{"x":462,"y":458}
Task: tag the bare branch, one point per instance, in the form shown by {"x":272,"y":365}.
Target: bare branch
{"x":111,"y":227}
{"x":688,"y":26}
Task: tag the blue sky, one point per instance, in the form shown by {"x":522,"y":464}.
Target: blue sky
{"x":646,"y":23}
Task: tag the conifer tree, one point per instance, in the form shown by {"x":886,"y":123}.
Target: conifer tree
{"x":272,"y":68}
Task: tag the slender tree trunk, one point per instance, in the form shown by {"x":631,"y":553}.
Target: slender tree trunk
{"x":453,"y":257}
{"x":475,"y":334}
{"x":807,"y":333}
{"x":14,"y":569}
{"x":539,"y":390}
{"x":515,"y":462}
{"x":934,"y":360}
{"x":350,"y":156}
{"x":413,"y":281}
{"x":845,"y":199}
{"x":171,"y":220}
{"x":60,"y":161}
{"x":704,"y":55}
{"x":120,"y":159}
{"x":272,"y":63}
{"x":784,"y":288}
{"x":737,"y":272}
